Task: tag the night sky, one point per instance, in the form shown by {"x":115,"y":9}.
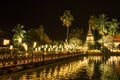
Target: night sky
{"x":33,"y":13}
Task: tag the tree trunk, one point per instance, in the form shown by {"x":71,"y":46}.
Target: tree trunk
{"x":67,"y":33}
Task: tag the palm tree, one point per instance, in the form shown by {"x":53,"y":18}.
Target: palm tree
{"x":92,"y":23}
{"x":102,"y":24}
{"x":19,"y":34}
{"x":66,"y":18}
{"x":113,"y":27}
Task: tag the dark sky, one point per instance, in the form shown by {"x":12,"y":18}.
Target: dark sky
{"x":33,"y":13}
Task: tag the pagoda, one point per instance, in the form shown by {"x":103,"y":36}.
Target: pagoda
{"x":89,"y":38}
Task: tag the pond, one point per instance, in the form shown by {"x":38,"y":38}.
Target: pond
{"x":81,"y":68}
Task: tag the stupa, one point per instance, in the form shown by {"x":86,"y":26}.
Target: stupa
{"x":89,"y":38}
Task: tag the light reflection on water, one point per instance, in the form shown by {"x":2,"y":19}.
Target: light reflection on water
{"x":83,"y":68}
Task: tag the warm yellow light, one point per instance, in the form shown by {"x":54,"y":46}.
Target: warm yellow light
{"x":39,"y":48}
{"x":11,"y":47}
{"x":6,"y":42}
{"x":36,"y":49}
{"x":34,"y":45}
{"x":25,"y":46}
{"x":116,"y":44}
{"x":19,"y":39}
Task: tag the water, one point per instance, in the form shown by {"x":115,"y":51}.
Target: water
{"x":82,"y":68}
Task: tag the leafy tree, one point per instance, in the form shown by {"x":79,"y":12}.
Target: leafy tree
{"x":107,"y":41}
{"x":43,"y":37}
{"x":37,"y":35}
{"x":75,"y":41}
{"x":58,"y":43}
{"x":31,"y":36}
{"x":77,"y":33}
{"x":67,"y":18}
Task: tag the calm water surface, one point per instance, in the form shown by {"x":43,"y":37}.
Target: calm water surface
{"x":82,"y":68}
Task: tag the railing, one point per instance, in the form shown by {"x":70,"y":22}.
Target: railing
{"x":10,"y":60}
